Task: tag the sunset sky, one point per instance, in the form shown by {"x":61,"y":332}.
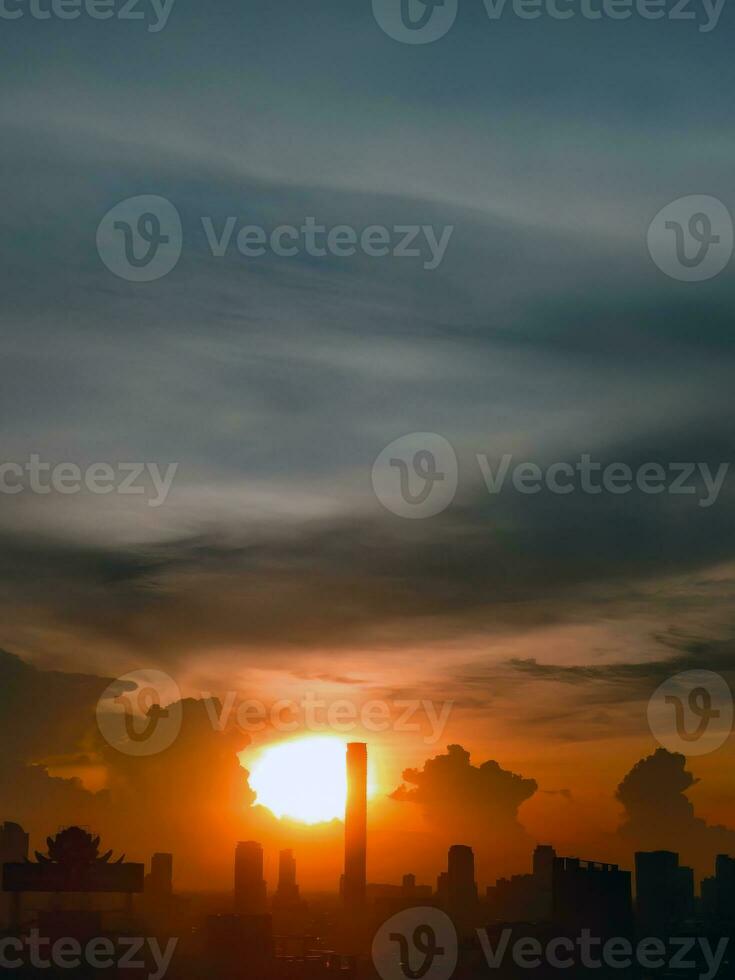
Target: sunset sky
{"x":271,"y":569}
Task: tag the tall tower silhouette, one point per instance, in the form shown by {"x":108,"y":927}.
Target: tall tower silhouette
{"x":13,"y":843}
{"x":250,"y":892}
{"x":13,"y":849}
{"x":160,"y":881}
{"x":356,"y":825}
{"x":461,"y":886}
{"x":287,"y":893}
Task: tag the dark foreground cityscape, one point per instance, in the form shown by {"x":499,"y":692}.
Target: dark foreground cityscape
{"x":75,"y":911}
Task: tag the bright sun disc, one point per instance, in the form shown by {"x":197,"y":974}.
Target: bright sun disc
{"x":305,"y":779}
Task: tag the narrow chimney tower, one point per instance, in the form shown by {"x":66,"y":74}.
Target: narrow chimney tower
{"x":356,"y":825}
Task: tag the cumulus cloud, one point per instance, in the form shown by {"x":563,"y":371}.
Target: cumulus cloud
{"x":454,"y":793}
{"x":195,"y":791}
{"x":659,"y":815}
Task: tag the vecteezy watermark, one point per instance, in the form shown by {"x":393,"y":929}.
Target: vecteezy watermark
{"x":691,"y":239}
{"x":141,"y":239}
{"x":422,"y":943}
{"x":140,"y":714}
{"x":691,"y":712}
{"x":415,"y":21}
{"x":418,"y":942}
{"x":125,"y":952}
{"x":155,"y":13}
{"x":312,"y":713}
{"x":341,"y":241}
{"x":616,"y":953}
{"x":425,"y":21}
{"x":37,"y":476}
{"x":416,"y":476}
{"x":592,"y":477}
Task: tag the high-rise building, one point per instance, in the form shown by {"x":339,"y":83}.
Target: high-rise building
{"x":544,"y":856}
{"x":159,"y":904}
{"x":287,"y":893}
{"x":571,"y":893}
{"x":250,"y":891}
{"x":591,"y":895}
{"x":526,"y":897}
{"x":461,"y":884}
{"x":356,"y":826}
{"x":159,"y":883}
{"x":664,"y":891}
{"x":13,"y":850}
{"x":442,"y":887}
{"x":13,"y":843}
{"x":718,"y":894}
{"x":458,"y":889}
{"x":685,"y":893}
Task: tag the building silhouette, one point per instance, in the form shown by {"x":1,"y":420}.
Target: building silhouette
{"x":287,"y":892}
{"x":591,"y":895}
{"x":159,"y":906}
{"x":526,"y":897}
{"x":13,"y":843}
{"x":13,"y":850}
{"x":442,"y":887}
{"x":718,"y":894}
{"x":664,"y":892}
{"x":461,"y":884}
{"x":385,"y":900}
{"x":570,"y":893}
{"x":159,"y":883}
{"x":250,"y":888}
{"x":355,"y":874}
{"x":73,"y":889}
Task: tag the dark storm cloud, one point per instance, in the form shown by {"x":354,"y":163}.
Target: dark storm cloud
{"x":546,"y":331}
{"x":506,"y":561}
{"x":659,"y":815}
{"x":60,"y":706}
{"x":47,"y":717}
{"x":453,"y":793}
{"x":45,"y":713}
{"x":632,"y":678}
{"x":621,"y":685}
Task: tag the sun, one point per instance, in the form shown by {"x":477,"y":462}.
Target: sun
{"x":304,"y":779}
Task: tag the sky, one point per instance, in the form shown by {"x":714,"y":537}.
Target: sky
{"x":270,"y":567}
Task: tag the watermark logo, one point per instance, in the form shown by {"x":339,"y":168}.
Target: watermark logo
{"x":692,"y":712}
{"x":590,"y":952}
{"x":141,"y":238}
{"x":424,"y":21}
{"x":415,"y":21}
{"x":153,"y":13}
{"x":691,"y":239}
{"x":38,"y":476}
{"x":343,"y":715}
{"x":416,"y":944}
{"x":34,"y":952}
{"x":416,"y":476}
{"x":140,"y":713}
